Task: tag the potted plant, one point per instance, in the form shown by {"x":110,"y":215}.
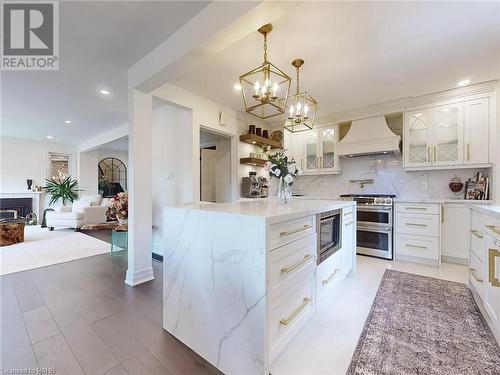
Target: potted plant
{"x":280,"y":166}
{"x":119,"y":207}
{"x":64,"y":190}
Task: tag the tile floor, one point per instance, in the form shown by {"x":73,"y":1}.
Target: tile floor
{"x":80,"y":318}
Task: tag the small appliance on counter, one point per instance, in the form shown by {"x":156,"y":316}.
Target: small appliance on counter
{"x":254,"y":187}
{"x":374,"y":228}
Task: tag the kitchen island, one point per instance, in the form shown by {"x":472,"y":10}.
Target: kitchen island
{"x":241,"y":279}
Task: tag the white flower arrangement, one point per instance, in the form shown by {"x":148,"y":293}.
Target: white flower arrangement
{"x":280,"y":166}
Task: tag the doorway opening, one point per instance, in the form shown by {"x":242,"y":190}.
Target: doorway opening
{"x":215,"y":167}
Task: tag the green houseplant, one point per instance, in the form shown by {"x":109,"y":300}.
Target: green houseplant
{"x":65,"y":190}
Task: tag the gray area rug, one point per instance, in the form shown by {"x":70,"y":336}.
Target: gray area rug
{"x":422,"y":325}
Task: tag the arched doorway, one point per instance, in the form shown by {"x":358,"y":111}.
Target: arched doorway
{"x":112,"y":174}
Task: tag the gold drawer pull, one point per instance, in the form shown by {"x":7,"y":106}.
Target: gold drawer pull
{"x":416,"y":246}
{"x":305,"y":302}
{"x":474,"y":275}
{"x":492,"y":254}
{"x":416,"y":225}
{"x":416,"y":208}
{"x":324,"y":282}
{"x":348,"y":223}
{"x":493,"y":228}
{"x":296,"y":265}
{"x":347,"y":213}
{"x":293,"y":231}
{"x":468,"y":151}
{"x":476,"y":233}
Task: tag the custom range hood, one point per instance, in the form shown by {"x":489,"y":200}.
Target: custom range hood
{"x":369,"y":136}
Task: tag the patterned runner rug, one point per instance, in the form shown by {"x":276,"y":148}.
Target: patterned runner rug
{"x":421,"y":325}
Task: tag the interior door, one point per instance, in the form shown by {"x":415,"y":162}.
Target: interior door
{"x":447,"y":129}
{"x":208,"y":173}
{"x":476,"y":131}
{"x":311,"y":155}
{"x":417,"y":138}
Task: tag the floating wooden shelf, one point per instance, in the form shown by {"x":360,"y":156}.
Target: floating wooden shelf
{"x":259,"y":141}
{"x":253,"y":161}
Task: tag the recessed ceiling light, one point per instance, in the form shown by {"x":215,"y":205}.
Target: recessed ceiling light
{"x":104,"y":92}
{"x":50,"y":137}
{"x":237,"y":87}
{"x":464,"y":82}
{"x":67,"y":122}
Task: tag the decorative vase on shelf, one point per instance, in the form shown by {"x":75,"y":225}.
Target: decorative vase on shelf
{"x":456,"y":186}
{"x":29,"y":182}
{"x":284,"y":192}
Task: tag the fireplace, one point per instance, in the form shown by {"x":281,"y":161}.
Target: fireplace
{"x":23,"y":206}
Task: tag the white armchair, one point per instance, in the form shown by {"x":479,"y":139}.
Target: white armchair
{"x":89,"y":209}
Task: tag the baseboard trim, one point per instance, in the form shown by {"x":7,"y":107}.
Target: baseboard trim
{"x":139,"y":277}
{"x":454,"y":260}
{"x":158,"y":257}
{"x":409,"y":258}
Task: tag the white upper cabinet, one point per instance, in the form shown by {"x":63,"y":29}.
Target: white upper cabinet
{"x":417,"y":147}
{"x":314,"y":150}
{"x":476,"y":131}
{"x":453,"y":135}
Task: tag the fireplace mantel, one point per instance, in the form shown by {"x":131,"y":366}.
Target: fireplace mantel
{"x":36,"y":195}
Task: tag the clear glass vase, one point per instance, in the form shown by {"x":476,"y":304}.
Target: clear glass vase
{"x":284,"y":193}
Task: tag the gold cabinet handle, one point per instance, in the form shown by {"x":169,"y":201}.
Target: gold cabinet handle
{"x":492,"y":254}
{"x":474,"y":275}
{"x":416,"y":246}
{"x":347,"y":213}
{"x":305,"y":302}
{"x":348,"y":223}
{"x":476,"y":233}
{"x":435,"y":153}
{"x":468,"y":151}
{"x":326,"y":281}
{"x":493,"y":228}
{"x":296,"y":265}
{"x":416,"y":208}
{"x":416,"y":224}
{"x":293,"y":231}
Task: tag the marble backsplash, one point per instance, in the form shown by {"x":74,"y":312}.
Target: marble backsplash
{"x":389,"y":178}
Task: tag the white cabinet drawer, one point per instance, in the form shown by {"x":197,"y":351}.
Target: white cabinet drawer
{"x":290,"y":263}
{"x":287,"y":231}
{"x":348,"y":213}
{"x":289,"y":313}
{"x":477,"y":245}
{"x":476,"y":274}
{"x":417,"y":224}
{"x":421,"y":208}
{"x":328,"y":274}
{"x":417,"y":246}
{"x":492,"y":228}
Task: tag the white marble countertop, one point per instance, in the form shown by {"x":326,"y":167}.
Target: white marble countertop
{"x":491,"y":210}
{"x":440,"y":201}
{"x":270,"y":209}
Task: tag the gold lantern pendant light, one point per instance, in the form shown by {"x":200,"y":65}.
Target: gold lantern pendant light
{"x":300,"y":111}
{"x":265,"y":89}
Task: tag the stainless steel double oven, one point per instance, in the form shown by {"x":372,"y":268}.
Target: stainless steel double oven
{"x":374,"y":228}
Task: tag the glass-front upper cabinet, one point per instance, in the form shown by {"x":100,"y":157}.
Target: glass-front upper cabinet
{"x":329,"y":139}
{"x":447,"y":148}
{"x":311,"y":154}
{"x":418,"y":138}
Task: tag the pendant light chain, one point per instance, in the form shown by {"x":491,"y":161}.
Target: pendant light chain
{"x":297,"y":80}
{"x":265,"y":48}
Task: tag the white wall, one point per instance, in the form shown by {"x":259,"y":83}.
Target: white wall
{"x":22,"y":159}
{"x":172,"y":167}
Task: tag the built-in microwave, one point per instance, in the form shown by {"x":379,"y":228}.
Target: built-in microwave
{"x":329,"y":234}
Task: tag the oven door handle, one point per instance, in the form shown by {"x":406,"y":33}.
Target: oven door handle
{"x":374,"y":229}
{"x":374,"y":209}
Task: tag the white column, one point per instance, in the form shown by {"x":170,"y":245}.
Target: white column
{"x":140,"y":189}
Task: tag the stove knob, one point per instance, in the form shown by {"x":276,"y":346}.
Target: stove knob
{"x":388,"y":201}
{"x":376,"y":200}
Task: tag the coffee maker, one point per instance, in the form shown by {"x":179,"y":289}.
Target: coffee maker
{"x":253,"y":186}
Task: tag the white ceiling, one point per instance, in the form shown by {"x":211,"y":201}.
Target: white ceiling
{"x":99,"y":41}
{"x":120,"y":144}
{"x":361,"y":53}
